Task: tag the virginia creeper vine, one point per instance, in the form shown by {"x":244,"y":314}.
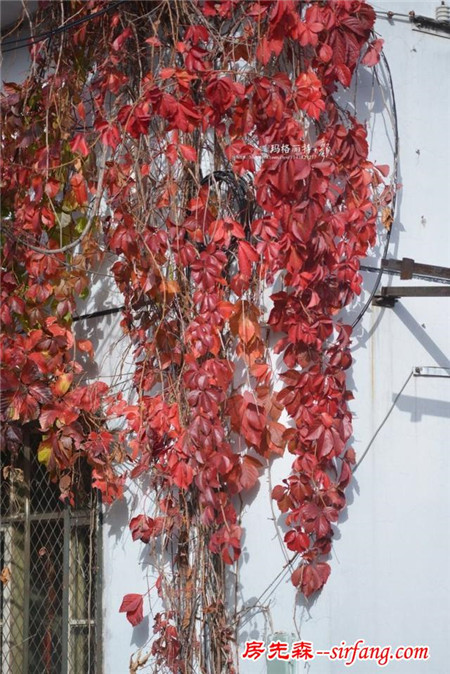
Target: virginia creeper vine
{"x":200,"y":146}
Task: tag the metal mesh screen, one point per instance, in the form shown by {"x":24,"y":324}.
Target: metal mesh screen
{"x":82,"y":605}
{"x":50,"y":612}
{"x":45,"y":598}
{"x":44,"y":497}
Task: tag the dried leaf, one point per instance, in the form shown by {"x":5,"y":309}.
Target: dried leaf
{"x":5,"y":575}
{"x":387,"y":218}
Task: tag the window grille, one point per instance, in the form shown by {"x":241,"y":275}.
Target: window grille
{"x":50,"y":603}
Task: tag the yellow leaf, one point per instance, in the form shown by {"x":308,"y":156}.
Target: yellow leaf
{"x":62,"y":384}
{"x":44,"y":452}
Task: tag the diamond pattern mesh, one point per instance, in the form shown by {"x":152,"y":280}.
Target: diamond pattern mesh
{"x":82,"y":603}
{"x":44,"y":497}
{"x":12,"y":601}
{"x":45,"y":599}
{"x":48,"y":606}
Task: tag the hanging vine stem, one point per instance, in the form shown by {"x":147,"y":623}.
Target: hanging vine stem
{"x":292,"y":197}
{"x":94,"y":213}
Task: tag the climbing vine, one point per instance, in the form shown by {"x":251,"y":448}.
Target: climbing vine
{"x":197,"y":152}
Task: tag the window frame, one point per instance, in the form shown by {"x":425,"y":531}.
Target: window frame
{"x":14,"y":623}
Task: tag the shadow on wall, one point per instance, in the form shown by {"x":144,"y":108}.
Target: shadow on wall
{"x":422,"y":337}
{"x":116,"y":518}
{"x":379,"y":109}
{"x":141,"y":634}
{"x":419,"y":407}
{"x":101,"y":331}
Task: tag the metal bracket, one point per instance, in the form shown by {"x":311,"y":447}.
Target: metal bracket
{"x":408,"y":269}
{"x":421,"y":371}
{"x":395,"y":292}
{"x":384,"y":301}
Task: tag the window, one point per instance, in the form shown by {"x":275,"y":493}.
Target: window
{"x":50,"y":610}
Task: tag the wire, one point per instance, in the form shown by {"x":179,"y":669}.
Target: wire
{"x":390,"y":15}
{"x":394,"y":199}
{"x":239,"y":189}
{"x":29,"y":41}
{"x":274,"y":584}
{"x":97,"y":314}
{"x":364,"y":454}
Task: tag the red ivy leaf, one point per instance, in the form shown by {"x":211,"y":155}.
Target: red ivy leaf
{"x":244,"y":322}
{"x":79,"y":188}
{"x":86,"y":346}
{"x":317,"y":520}
{"x":133,"y":606}
{"x":325,"y":53}
{"x":110,"y":134}
{"x":142,"y":528}
{"x":249,"y":472}
{"x":188,"y":152}
{"x":246,"y":255}
{"x":268,"y":47}
{"x":372,"y":55}
{"x":120,"y":40}
{"x":383,"y":169}
{"x":154,"y":42}
{"x":297,"y":541}
{"x":343,"y":74}
{"x":253,"y":420}
{"x":311,"y":577}
{"x":182,"y":474}
{"x":78,"y":144}
{"x":52,"y":187}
